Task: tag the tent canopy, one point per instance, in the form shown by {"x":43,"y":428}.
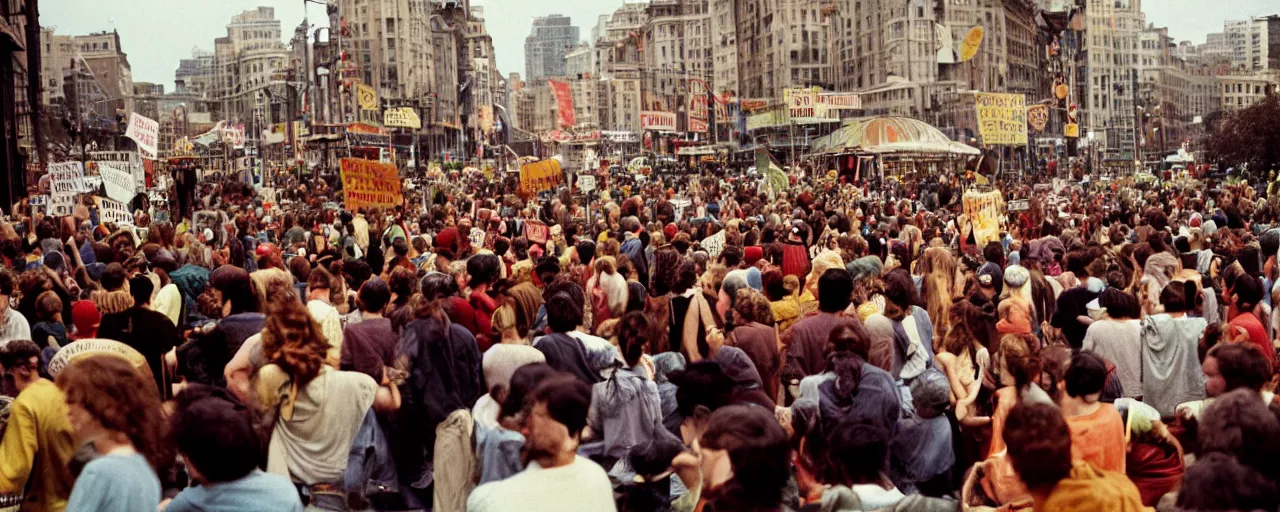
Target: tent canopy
{"x":888,"y":135}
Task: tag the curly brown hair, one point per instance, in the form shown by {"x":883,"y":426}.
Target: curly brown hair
{"x":753,"y":306}
{"x":292,"y":340}
{"x":121,"y":399}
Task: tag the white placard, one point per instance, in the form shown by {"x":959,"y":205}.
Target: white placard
{"x":586,"y":183}
{"x":66,"y":178}
{"x":119,"y":182}
{"x":129,"y":160}
{"x":713,"y":244}
{"x":476,"y":237}
{"x":680,"y":203}
{"x":114,"y":212}
{"x":61,"y":205}
{"x":144,"y":131}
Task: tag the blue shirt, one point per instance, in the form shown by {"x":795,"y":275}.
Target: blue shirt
{"x":253,"y":492}
{"x":111,"y":483}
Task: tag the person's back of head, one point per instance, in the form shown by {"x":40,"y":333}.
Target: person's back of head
{"x":1039,"y":444}
{"x":993,"y":252}
{"x":214,"y":432}
{"x":758,"y":451}
{"x":1086,"y":376}
{"x":900,"y":289}
{"x":567,"y":400}
{"x":1179,"y":297}
{"x":850,"y":336}
{"x":835,"y":289}
{"x":635,"y":334}
{"x":113,"y":277}
{"x":564,"y":314}
{"x":523,"y":381}
{"x":1239,"y":424}
{"x":1218,"y":481}
{"x":1247,"y":292}
{"x":373,"y":296}
{"x":140,"y":287}
{"x":1120,"y":305}
{"x":858,"y":453}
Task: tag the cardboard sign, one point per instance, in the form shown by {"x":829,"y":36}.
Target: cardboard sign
{"x":118,"y":182}
{"x":539,"y":176}
{"x":713,"y":244}
{"x":125,"y":160}
{"x":114,"y":212}
{"x":476,"y":236}
{"x":983,"y":210}
{"x":144,"y":131}
{"x":370,"y":184}
{"x":61,"y":205}
{"x":1019,"y":205}
{"x":1002,"y":118}
{"x":537,"y":232}
{"x":66,"y":178}
{"x":586,"y":183}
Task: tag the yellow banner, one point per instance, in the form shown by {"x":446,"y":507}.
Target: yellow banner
{"x":1002,"y":118}
{"x":983,"y":210}
{"x":542,"y":175}
{"x":367,"y":97}
{"x":370,"y":184}
{"x":401,"y":117}
{"x":972,"y":41}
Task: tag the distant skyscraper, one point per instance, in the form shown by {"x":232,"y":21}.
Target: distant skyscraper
{"x":545,"y":48}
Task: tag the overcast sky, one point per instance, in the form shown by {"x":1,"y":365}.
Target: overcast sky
{"x":157,"y":33}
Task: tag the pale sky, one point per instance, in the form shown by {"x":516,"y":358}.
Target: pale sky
{"x":157,"y":33}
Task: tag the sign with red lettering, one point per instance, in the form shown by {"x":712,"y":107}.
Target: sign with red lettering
{"x":658,"y":121}
{"x":143,"y":131}
{"x":370,"y":184}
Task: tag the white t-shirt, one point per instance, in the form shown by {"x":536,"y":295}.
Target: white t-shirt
{"x":579,"y":486}
{"x":13,"y":326}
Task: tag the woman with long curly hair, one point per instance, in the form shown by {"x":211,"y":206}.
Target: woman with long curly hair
{"x":319,"y":409}
{"x":941,"y":284}
{"x":116,"y":410}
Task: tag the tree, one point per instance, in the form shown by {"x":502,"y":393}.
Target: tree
{"x":1250,"y":136}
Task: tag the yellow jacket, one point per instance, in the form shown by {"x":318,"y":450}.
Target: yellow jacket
{"x":37,"y":445}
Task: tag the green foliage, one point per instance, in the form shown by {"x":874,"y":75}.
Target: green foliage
{"x":1250,"y":136}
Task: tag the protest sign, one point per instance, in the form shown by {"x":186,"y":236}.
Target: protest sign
{"x":128,"y":160}
{"x":476,"y":237}
{"x":983,"y":210}
{"x":1002,"y":118}
{"x":118,"y":182}
{"x":1019,"y":205}
{"x":539,"y":176}
{"x":111,"y":211}
{"x":144,"y":131}
{"x":66,"y":178}
{"x":713,"y":244}
{"x":536,"y":232}
{"x":95,"y":347}
{"x":370,"y":184}
{"x":61,"y":205}
{"x":586,"y":183}
{"x":564,"y":103}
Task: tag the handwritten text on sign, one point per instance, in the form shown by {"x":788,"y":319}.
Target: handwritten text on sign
{"x":114,"y":212}
{"x":144,"y":131}
{"x":125,"y":160}
{"x":367,"y":183}
{"x":119,"y":181}
{"x":1002,"y":118}
{"x":66,"y":178}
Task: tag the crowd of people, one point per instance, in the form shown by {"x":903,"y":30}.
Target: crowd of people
{"x":678,"y":343}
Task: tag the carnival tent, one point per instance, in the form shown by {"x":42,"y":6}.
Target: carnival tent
{"x":889,"y":135}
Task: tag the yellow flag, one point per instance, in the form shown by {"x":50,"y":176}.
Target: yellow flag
{"x":367,"y":96}
{"x":969,"y":47}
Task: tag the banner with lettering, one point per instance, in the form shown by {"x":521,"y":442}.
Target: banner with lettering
{"x":564,"y":102}
{"x":370,"y":184}
{"x":114,"y":212}
{"x":127,"y":160}
{"x":698,"y":116}
{"x":401,"y":117}
{"x":658,"y":121}
{"x":144,"y":131}
{"x":118,"y":182}
{"x":1002,"y":118}
{"x":542,"y":175}
{"x":536,"y":232}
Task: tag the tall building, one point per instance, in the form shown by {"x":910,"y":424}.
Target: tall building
{"x":56,"y":55}
{"x":620,"y":44}
{"x":781,"y":44}
{"x":580,"y":61}
{"x":544,"y":50}
{"x":724,"y":46}
{"x":245,"y":62}
{"x":388,"y":47}
{"x":196,"y":73}
{"x":1111,"y":44}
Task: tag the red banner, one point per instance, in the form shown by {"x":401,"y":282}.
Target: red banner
{"x":698,"y":112}
{"x":564,"y":102}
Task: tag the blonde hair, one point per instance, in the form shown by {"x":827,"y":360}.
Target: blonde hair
{"x":938,"y":268}
{"x":613,"y":284}
{"x":504,"y":318}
